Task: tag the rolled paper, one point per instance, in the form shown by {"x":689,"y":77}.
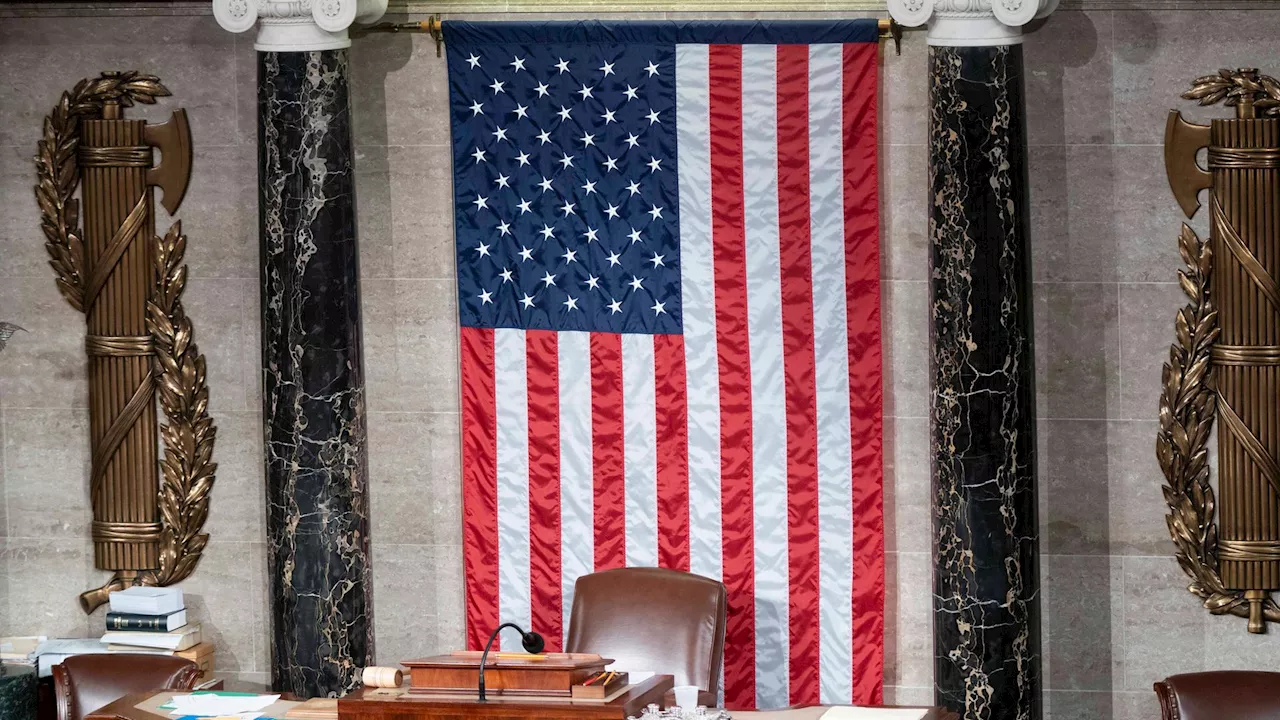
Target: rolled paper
{"x":381,"y":677}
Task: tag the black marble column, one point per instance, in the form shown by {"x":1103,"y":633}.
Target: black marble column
{"x":986,"y":577}
{"x":313,"y":377}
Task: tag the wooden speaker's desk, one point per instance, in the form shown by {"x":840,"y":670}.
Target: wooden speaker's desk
{"x":376,"y":704}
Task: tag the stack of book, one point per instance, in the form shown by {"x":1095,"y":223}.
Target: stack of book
{"x":154,"y":620}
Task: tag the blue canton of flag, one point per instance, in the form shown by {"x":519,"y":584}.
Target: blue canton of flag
{"x":565,"y":184}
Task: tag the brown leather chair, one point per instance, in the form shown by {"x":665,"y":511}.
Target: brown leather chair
{"x":667,"y":621}
{"x":1220,"y":695}
{"x":84,"y":683}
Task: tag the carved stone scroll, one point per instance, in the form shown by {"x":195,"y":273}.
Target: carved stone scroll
{"x":128,"y":282}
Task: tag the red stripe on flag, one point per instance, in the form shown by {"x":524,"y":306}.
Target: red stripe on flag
{"x":542,"y":370}
{"x":671,"y":408}
{"x":480,"y":483}
{"x":799,"y":369}
{"x":607,"y":451}
{"x":862,"y":278}
{"x":728,"y":237}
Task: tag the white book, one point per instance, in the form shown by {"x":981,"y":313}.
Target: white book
{"x":147,"y":601}
{"x":179,"y":639}
{"x":140,"y":600}
{"x":134,"y":649}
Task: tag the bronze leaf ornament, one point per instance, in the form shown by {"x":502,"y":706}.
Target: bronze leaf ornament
{"x":149,"y":508}
{"x":1224,"y":363}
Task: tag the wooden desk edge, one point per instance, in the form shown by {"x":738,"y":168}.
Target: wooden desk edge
{"x":631,"y":702}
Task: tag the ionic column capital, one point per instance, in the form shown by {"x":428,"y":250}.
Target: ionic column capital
{"x":297,"y":25}
{"x":971,"y":22}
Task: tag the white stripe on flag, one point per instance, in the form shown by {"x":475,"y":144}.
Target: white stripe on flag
{"x":831,"y":352}
{"x":577,"y":490}
{"x":697,"y":292}
{"x":512,"y":410}
{"x":640,"y":450}
{"x":768,"y":383}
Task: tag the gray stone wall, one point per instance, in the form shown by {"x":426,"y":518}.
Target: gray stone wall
{"x":1116,"y":616}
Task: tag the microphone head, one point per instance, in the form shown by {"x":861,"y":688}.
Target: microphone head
{"x":533,"y":642}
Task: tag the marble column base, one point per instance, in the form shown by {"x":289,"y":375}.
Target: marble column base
{"x":17,"y":692}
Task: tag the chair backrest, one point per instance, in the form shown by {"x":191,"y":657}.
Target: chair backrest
{"x":651,"y":619}
{"x":1220,"y":695}
{"x":84,"y":683}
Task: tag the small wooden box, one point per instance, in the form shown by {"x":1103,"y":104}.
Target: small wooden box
{"x":552,"y":674}
{"x":202,"y":655}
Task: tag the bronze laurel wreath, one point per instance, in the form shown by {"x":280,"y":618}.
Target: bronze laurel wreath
{"x":188,"y":468}
{"x":188,"y":438}
{"x":1187,"y":408}
{"x":1231,"y":88}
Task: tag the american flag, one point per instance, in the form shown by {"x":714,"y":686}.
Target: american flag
{"x":668,"y":287}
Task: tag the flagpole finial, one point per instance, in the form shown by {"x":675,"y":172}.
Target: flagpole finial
{"x":971,"y":22}
{"x":297,"y":25}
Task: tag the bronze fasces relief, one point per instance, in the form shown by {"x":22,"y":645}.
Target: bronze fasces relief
{"x":149,"y":506}
{"x":1225,"y":361}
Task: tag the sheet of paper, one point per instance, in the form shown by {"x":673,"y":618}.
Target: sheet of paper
{"x":867,"y":713}
{"x":70,"y":646}
{"x":634,"y":677}
{"x":244,"y":707}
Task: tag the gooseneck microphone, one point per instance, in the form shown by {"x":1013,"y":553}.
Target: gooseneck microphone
{"x":532,"y":642}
